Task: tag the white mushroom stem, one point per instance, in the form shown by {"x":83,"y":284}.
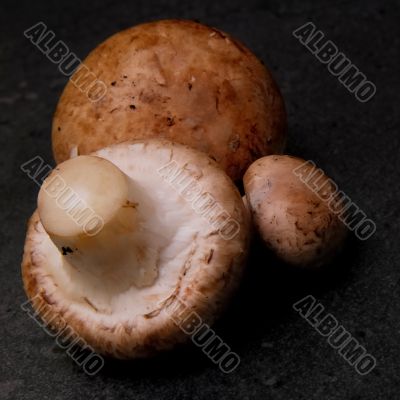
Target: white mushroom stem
{"x":86,"y":209}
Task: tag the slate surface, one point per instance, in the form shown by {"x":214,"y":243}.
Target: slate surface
{"x":357,"y":144}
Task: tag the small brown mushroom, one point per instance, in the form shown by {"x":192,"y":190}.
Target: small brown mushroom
{"x":123,"y":237}
{"x":178,"y":80}
{"x":293,"y":219}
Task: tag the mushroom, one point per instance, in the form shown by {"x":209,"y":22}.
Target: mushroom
{"x":177,"y":80}
{"x":129,"y":240}
{"x":293,"y":218}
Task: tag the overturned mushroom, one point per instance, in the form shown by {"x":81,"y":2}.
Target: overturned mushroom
{"x":126,"y":236}
{"x":178,"y":80}
{"x":294,"y":219}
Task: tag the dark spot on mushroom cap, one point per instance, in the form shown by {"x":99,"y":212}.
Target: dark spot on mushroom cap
{"x":210,"y":256}
{"x":132,"y":107}
{"x":234,"y":142}
{"x":113,"y":83}
{"x":66,"y":250}
{"x":130,"y":204}
{"x":217,"y":104}
{"x":90,"y":304}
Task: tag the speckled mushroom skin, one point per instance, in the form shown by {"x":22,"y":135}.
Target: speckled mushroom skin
{"x":291,"y":218}
{"x":206,"y":281}
{"x":178,"y":80}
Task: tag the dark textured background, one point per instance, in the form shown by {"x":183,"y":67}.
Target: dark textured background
{"x":357,"y":144}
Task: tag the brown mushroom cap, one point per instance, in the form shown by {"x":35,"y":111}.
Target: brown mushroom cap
{"x":197,"y":265}
{"x":294,"y":221}
{"x":178,"y":80}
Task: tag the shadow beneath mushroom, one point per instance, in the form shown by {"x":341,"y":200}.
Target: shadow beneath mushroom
{"x":270,"y":288}
{"x":183,"y":360}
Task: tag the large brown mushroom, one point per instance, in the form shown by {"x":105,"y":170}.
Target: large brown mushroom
{"x":126,"y":236}
{"x":178,"y":80}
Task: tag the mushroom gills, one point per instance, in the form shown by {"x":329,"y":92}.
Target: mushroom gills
{"x":146,"y":224}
